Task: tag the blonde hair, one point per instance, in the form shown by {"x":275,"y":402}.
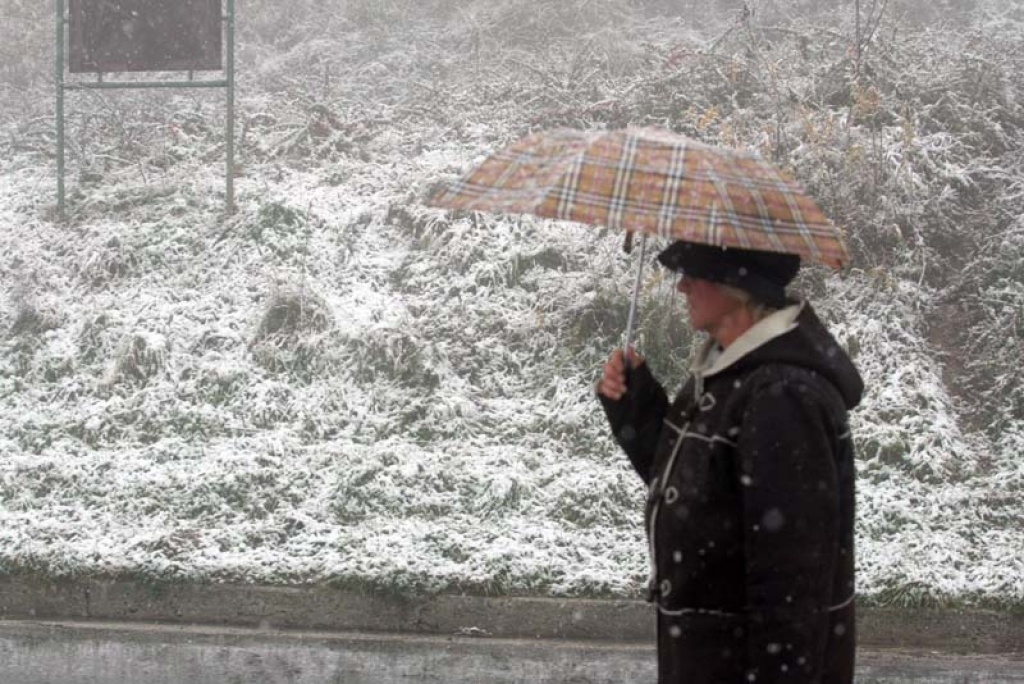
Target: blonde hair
{"x":757,"y":310}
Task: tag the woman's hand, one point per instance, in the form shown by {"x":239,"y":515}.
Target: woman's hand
{"x":612,"y":383}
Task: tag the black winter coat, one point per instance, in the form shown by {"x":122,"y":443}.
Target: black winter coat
{"x":750,"y":507}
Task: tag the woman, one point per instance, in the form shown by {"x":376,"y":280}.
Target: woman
{"x":750,"y":479}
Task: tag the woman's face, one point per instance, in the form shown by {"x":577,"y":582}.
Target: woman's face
{"x":707,"y":303}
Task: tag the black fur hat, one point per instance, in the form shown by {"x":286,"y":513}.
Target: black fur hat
{"x":764,"y":275}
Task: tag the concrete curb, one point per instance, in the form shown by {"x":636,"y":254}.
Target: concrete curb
{"x":329,"y":609}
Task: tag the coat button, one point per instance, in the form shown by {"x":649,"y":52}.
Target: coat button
{"x":671,"y":495}
{"x":665,"y":588}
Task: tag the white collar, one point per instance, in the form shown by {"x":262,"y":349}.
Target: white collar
{"x":768,"y":328}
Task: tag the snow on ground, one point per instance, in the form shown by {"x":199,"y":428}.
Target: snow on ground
{"x":436,"y":430}
{"x":337,"y":384}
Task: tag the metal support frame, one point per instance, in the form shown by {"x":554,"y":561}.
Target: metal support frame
{"x":228,"y":83}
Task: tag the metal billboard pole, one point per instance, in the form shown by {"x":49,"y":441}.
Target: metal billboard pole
{"x":60,"y":110}
{"x":230,"y":71}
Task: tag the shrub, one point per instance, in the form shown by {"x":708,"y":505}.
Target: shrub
{"x":32,"y":316}
{"x":290,"y":336}
{"x":107,"y":263}
{"x":139,"y":358}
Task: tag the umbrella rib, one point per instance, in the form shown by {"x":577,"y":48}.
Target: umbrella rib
{"x":767,"y":224}
{"x":798,"y":217}
{"x":723,"y":196}
{"x":501,"y":192}
{"x":514,"y":165}
{"x":670,"y":200}
{"x":623,"y":173}
{"x":567,"y":197}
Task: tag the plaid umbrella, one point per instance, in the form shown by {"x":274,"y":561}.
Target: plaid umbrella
{"x":654,"y":182}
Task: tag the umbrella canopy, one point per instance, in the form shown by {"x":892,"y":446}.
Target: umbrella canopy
{"x":654,"y":182}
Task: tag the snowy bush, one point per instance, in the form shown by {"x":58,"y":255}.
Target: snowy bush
{"x":139,"y":358}
{"x":291,"y":334}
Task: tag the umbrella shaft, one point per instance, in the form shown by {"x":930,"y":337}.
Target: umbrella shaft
{"x":636,"y":295}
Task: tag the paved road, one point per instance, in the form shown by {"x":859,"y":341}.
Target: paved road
{"x":33,"y":652}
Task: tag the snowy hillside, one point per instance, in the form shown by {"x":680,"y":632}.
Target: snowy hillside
{"x":337,"y":384}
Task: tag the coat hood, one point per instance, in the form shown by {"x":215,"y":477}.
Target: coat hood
{"x":793,"y":336}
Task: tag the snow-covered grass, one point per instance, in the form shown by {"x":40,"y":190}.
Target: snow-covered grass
{"x":337,"y":384}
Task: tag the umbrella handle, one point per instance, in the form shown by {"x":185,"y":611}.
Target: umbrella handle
{"x":631,"y":322}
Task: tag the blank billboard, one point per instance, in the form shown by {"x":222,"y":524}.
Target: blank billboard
{"x":145,"y":35}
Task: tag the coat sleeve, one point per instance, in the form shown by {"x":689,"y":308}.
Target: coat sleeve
{"x":790,"y":499}
{"x":636,"y":419}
